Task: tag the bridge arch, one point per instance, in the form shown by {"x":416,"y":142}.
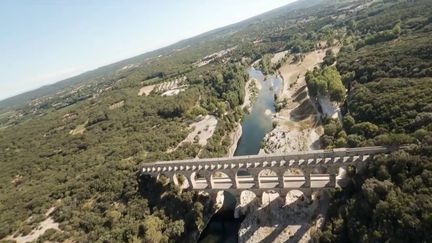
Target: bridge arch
{"x":163,"y":178}
{"x":296,"y":197}
{"x":245,"y":179}
{"x":344,"y":174}
{"x":181,"y":181}
{"x":268,"y":178}
{"x":198,"y":180}
{"x":294,"y":178}
{"x":320,"y":169}
{"x":221,"y":180}
{"x":320,"y":176}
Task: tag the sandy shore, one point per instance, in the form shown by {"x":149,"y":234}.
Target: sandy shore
{"x":249,"y":96}
{"x":234,"y":137}
{"x":298,"y":127}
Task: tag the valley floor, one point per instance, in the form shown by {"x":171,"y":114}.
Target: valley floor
{"x":297,"y":129}
{"x":297,"y":124}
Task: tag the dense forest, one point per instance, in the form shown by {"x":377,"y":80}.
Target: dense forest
{"x":90,"y":177}
{"x":66,"y":149}
{"x":385,"y":64}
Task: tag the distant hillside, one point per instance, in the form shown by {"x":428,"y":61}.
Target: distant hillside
{"x":24,"y":98}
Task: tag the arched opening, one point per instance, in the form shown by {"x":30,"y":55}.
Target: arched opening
{"x":246,"y":197}
{"x":246,"y":203}
{"x":294,"y":178}
{"x":268,"y":179}
{"x":319,"y":177}
{"x":341,"y":178}
{"x":220,"y":180}
{"x":352,"y":170}
{"x":162,"y":178}
{"x":296,"y":198}
{"x":198,"y":181}
{"x":244,"y":179}
{"x":345,"y":173}
{"x":181,"y":181}
{"x":271,"y":198}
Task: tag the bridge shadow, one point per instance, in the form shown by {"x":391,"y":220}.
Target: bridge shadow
{"x":223,"y":226}
{"x":279,"y":221}
{"x":300,"y":96}
{"x":299,"y":91}
{"x":176,"y":204}
{"x":303,"y":111}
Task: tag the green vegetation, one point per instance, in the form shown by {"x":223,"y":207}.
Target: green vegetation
{"x":90,"y":175}
{"x":382,"y":36}
{"x":326,"y":82}
{"x":385,"y":64}
{"x":388,"y":202}
{"x":329,"y":58}
{"x":266,"y":65}
{"x":253,"y":89}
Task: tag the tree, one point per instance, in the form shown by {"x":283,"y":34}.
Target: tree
{"x":366,"y":129}
{"x":397,"y":29}
{"x":326,"y":82}
{"x":153,"y":226}
{"x":336,"y":88}
{"x":348,"y":122}
{"x":329,"y":58}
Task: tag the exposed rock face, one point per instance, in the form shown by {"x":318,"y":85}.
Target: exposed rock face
{"x":296,"y":128}
{"x":235,"y":136}
{"x":281,"y":141}
{"x":219,"y":200}
{"x":329,"y":108}
{"x":248,"y":203}
{"x":279,"y":220}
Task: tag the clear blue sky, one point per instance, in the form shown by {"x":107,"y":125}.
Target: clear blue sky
{"x":43,"y":41}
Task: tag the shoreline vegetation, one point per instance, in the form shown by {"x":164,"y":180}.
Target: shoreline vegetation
{"x":296,"y":122}
{"x":303,"y":134}
{"x":252,"y":87}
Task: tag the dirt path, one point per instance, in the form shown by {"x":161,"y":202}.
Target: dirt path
{"x":202,"y":131}
{"x":146,"y":90}
{"x":43,"y":226}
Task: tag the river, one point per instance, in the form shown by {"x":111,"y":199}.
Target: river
{"x":223,"y":227}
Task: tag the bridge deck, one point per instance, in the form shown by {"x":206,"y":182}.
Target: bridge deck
{"x":307,"y":158}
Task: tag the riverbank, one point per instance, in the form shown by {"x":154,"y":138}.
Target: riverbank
{"x":296,"y":128}
{"x":234,"y":138}
{"x":297,"y":125}
{"x":246,"y":139}
{"x":252,"y":88}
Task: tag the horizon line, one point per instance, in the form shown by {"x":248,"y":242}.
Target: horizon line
{"x":139,"y":54}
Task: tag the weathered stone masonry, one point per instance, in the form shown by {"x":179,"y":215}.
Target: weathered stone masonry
{"x":314,"y":170}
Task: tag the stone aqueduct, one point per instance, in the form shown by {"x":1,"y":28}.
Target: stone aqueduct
{"x":304,"y":171}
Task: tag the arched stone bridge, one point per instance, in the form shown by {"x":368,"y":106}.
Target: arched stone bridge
{"x":281,"y":173}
